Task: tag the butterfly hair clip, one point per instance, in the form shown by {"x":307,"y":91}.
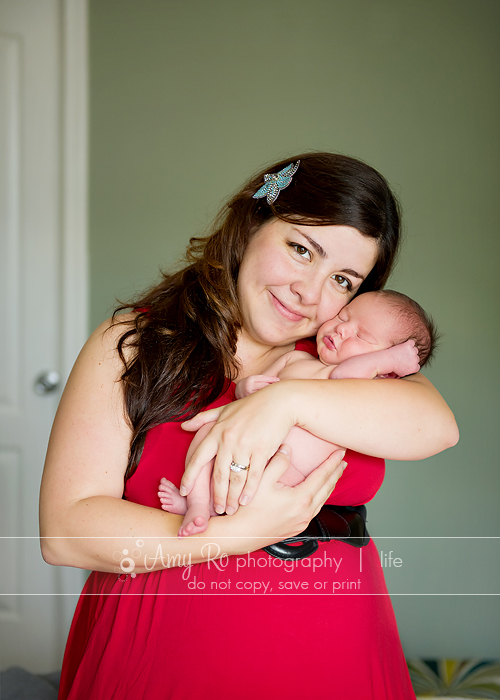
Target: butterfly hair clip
{"x":276,"y":182}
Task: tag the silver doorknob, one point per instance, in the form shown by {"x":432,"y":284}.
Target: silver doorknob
{"x":47,"y":382}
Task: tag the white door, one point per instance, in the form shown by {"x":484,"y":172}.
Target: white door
{"x":35,"y":181}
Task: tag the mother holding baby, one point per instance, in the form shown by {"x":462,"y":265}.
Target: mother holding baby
{"x":214,"y":615}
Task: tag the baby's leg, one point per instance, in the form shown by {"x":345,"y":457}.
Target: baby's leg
{"x":308,"y":452}
{"x":168,"y":493}
{"x":197,"y":507}
{"x":199,"y":503}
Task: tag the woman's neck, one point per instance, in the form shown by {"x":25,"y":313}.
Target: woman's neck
{"x":254,"y":358}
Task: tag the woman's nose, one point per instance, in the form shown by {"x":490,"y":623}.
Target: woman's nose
{"x":308,"y":290}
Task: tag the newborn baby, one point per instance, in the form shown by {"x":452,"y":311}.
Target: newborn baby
{"x":378,"y":335}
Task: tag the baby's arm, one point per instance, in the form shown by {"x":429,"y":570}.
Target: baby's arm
{"x":400,"y":360}
{"x":248,"y":385}
{"x":307,"y":450}
{"x":253,"y":383}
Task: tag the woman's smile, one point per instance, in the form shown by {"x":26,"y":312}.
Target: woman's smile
{"x":286,"y":311}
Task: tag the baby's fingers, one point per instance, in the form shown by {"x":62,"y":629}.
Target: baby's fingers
{"x":265,"y":379}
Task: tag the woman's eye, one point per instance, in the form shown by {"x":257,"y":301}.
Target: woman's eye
{"x":343,"y":282}
{"x":301,"y":250}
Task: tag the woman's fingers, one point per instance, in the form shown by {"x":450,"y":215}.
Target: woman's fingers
{"x":237,"y":481}
{"x":284,"y":511}
{"x":244,"y":484}
{"x":224,"y":477}
{"x":233,"y":438}
{"x":322,"y":481}
{"x":258,"y":464}
{"x":204,"y":453}
{"x":201,"y":418}
{"x":278,"y":464}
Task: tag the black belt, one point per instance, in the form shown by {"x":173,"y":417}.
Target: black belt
{"x":345,"y":523}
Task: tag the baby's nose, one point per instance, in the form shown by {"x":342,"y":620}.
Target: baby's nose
{"x":343,"y":329}
{"x":339,"y":327}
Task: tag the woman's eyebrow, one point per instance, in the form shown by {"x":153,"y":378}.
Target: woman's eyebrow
{"x":348,"y":271}
{"x":322,"y":253}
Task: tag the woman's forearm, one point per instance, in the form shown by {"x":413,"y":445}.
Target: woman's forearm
{"x":94,"y":532}
{"x":85,"y":523}
{"x":99,"y":529}
{"x":402,"y":419}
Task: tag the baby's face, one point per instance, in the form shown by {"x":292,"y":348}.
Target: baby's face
{"x":366,"y":324}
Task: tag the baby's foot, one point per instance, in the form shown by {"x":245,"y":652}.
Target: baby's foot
{"x":171,"y":499}
{"x":195,"y":520}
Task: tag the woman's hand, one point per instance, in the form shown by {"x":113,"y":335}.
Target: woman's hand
{"x":278,"y":511}
{"x":265,"y":413}
{"x":395,"y":419}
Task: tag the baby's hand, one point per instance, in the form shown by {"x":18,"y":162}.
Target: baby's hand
{"x":249,"y":385}
{"x":404,"y":358}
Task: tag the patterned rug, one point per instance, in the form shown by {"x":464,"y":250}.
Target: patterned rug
{"x":453,"y":678}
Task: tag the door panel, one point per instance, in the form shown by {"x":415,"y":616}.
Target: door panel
{"x":33,"y":614}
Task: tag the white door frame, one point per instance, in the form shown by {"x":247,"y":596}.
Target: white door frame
{"x":44,"y":264}
{"x":73,"y":236}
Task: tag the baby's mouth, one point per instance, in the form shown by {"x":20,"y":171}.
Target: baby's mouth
{"x":328,"y":341}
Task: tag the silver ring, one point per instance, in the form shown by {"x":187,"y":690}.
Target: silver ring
{"x":235,"y":467}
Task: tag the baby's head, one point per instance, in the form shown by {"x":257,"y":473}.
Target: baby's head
{"x":376,"y":321}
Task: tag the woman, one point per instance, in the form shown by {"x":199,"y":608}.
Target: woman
{"x":237,"y":622}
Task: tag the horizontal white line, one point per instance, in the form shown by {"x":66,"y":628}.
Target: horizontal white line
{"x":231,"y":537}
{"x":239,"y":594}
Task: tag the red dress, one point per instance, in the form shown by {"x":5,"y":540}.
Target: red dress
{"x":248,"y":627}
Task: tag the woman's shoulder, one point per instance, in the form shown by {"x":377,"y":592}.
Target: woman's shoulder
{"x":106,"y":336}
{"x":99,"y":359}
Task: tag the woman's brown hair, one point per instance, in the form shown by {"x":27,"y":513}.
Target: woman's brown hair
{"x":181,"y":347}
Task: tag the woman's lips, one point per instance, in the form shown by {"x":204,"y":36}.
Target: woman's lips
{"x":284,"y":310}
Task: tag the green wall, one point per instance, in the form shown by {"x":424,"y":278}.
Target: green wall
{"x":190,"y":97}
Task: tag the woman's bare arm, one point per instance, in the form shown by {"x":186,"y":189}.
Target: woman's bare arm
{"x":83,"y":519}
{"x":402,"y":419}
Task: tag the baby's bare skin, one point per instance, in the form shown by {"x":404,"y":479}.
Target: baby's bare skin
{"x":308,"y":451}
{"x":376,"y":358}
{"x":197,"y":509}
